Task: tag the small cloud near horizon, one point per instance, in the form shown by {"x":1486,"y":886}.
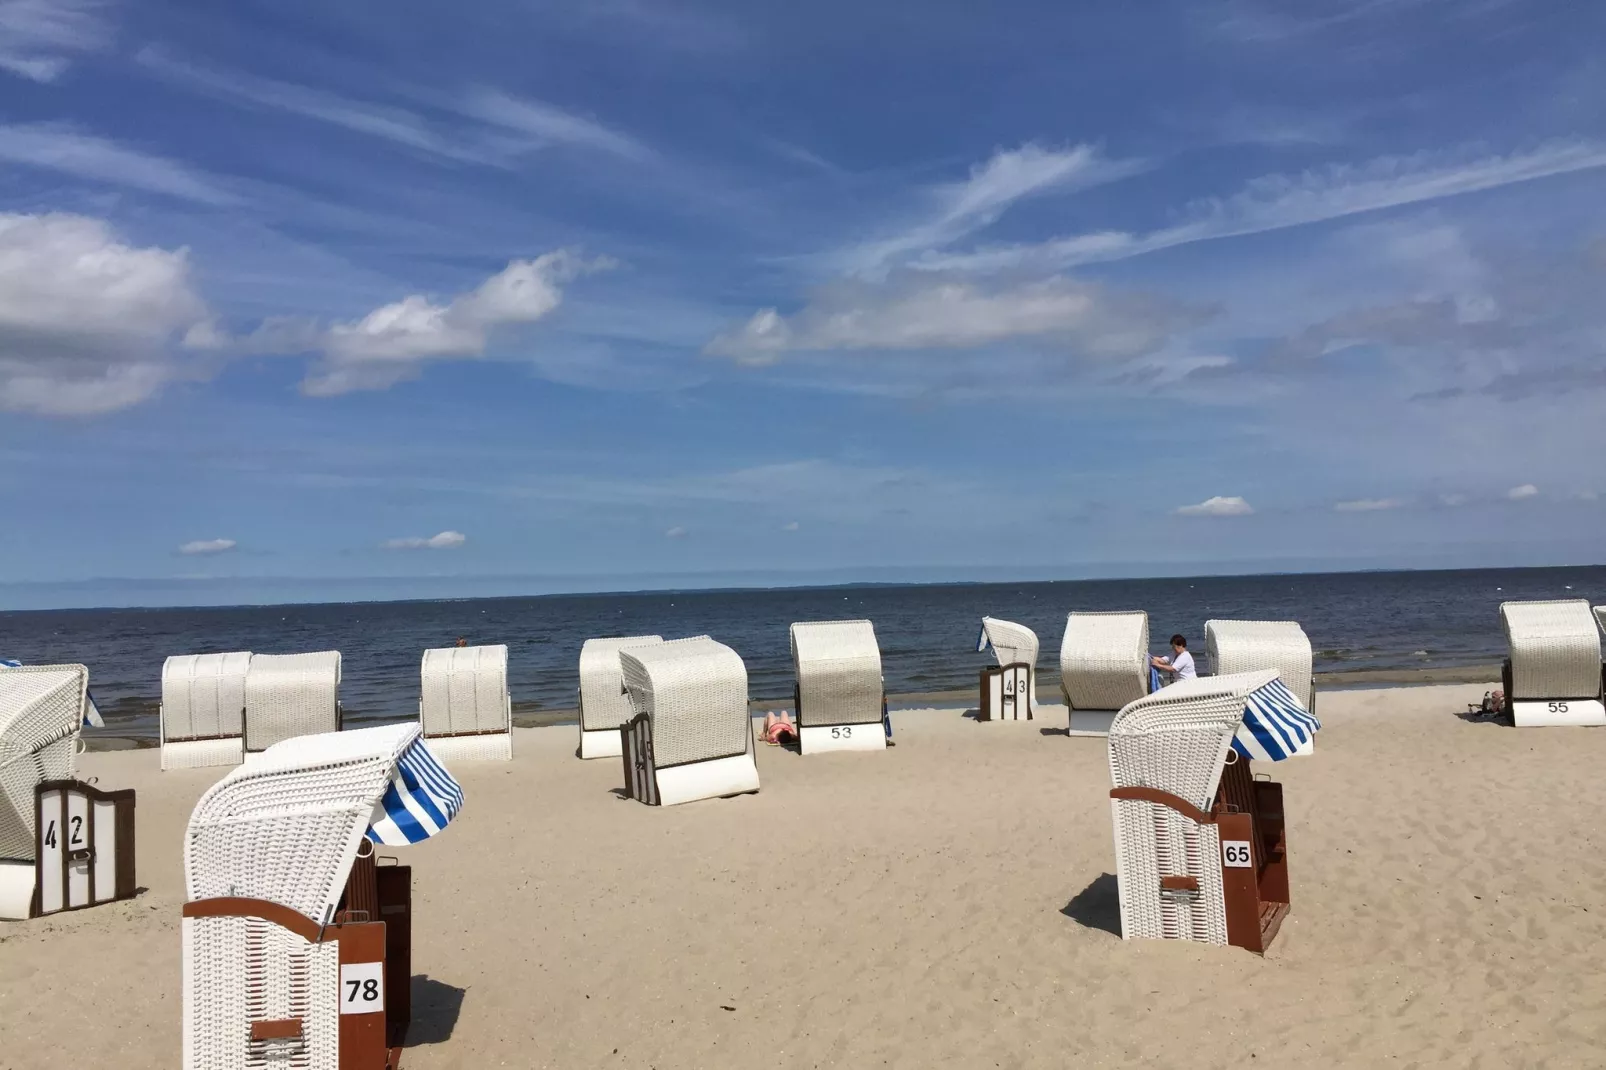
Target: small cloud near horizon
{"x":446,"y":540}
{"x":201,"y":547}
{"x":1218,"y":506}
{"x":1367,"y":505}
{"x":675,"y":533}
{"x":1527,"y":490}
{"x":790,"y":526}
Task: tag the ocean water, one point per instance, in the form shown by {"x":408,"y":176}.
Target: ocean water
{"x":1367,"y":620}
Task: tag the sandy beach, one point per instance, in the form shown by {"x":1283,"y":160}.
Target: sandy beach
{"x":949,"y":903}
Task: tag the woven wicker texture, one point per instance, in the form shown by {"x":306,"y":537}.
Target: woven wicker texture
{"x":1555,"y":649}
{"x":41,"y":711}
{"x":465,"y":690}
{"x":1011,"y":642}
{"x":203,"y":695}
{"x":288,"y":695}
{"x":1104,"y":659}
{"x":1600,"y":617}
{"x":603,"y":703}
{"x":285,"y":825}
{"x":1246,"y":645}
{"x":838,"y":667}
{"x":695,"y":692}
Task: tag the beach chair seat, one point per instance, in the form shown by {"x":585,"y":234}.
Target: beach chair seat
{"x":1008,"y":689}
{"x":203,"y":709}
{"x":1553,"y":674}
{"x":64,"y":844}
{"x":840,"y":695}
{"x":464,"y":705}
{"x":1200,"y":844}
{"x":692,"y":734}
{"x":1104,"y":664}
{"x":297,"y":946}
{"x":289,"y":695}
{"x":1246,"y":645}
{"x":604,"y":706}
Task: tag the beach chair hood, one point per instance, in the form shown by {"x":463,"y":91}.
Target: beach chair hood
{"x":41,"y":710}
{"x":1012,"y":643}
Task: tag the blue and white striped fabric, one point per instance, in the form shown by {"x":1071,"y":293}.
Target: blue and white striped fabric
{"x":1275,"y":725}
{"x":91,"y":711}
{"x":981,"y":640}
{"x":420,"y":800}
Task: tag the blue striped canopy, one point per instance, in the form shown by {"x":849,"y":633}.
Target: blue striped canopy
{"x":981,"y":639}
{"x":420,"y":800}
{"x":91,"y":711}
{"x":1275,"y":725}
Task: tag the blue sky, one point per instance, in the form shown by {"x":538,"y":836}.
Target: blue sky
{"x":617,"y":288}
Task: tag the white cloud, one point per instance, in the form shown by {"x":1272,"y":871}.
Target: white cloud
{"x":87,"y":324}
{"x":675,"y":533}
{"x":1587,"y":495}
{"x":207,"y":546}
{"x":39,"y":37}
{"x":954,"y":314}
{"x":1218,"y":506}
{"x":446,"y":540}
{"x":67,"y":151}
{"x":1368,"y":505}
{"x":1007,"y":177}
{"x":792,"y":525}
{"x":1276,"y":202}
{"x":1527,"y":490}
{"x":392,"y":342}
{"x":549,"y":124}
{"x":1453,"y":500}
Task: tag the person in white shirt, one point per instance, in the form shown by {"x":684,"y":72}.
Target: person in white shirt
{"x":1180,"y":663}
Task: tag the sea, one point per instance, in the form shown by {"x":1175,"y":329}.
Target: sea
{"x":1395,"y":621}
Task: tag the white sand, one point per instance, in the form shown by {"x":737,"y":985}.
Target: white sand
{"x":943,"y":904}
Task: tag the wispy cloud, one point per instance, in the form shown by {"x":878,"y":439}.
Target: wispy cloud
{"x":675,"y":533}
{"x":68,"y":151}
{"x":549,"y":124}
{"x":1522,"y":493}
{"x":38,"y":38}
{"x":1277,"y":202}
{"x":446,"y":540}
{"x":1218,"y":506}
{"x":1367,"y":505}
{"x":206,"y":547}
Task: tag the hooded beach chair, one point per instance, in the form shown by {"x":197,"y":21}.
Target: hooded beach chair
{"x":1008,"y":689}
{"x":1200,"y":845}
{"x":604,"y":706}
{"x":1104,"y":664}
{"x":297,"y":945}
{"x":840,"y":696}
{"x":464,"y":706}
{"x":1246,"y":645}
{"x":692,"y":735}
{"x":63,"y":844}
{"x":1553,"y":676}
{"x":203,"y":710}
{"x":289,"y":695}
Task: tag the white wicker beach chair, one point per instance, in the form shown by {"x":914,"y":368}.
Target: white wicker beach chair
{"x":692,"y":736}
{"x":203,"y":709}
{"x":604,"y":706}
{"x":464,"y":707}
{"x":41,"y":713}
{"x":297,"y":946}
{"x":1199,"y":843}
{"x":1009,"y":690}
{"x":288,"y":695}
{"x":1247,"y":645}
{"x":1553,"y":676}
{"x":840,"y":696}
{"x":1104,"y":664}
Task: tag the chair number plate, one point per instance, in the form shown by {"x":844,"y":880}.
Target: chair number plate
{"x":362,"y":987}
{"x":1235,"y":854}
{"x":842,"y":732}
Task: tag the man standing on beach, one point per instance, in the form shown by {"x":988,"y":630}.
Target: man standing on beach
{"x":1180,"y":663}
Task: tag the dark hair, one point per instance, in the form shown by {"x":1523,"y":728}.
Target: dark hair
{"x":1177,"y":640}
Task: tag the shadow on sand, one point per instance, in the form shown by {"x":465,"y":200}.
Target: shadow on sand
{"x":1098,"y":906}
{"x":436,"y":1006}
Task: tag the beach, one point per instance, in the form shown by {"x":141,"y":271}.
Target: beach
{"x":947,"y":903}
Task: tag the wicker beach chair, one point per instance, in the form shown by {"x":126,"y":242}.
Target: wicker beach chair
{"x":297,"y":946}
{"x":464,"y":706}
{"x":604,"y":706}
{"x":41,"y":712}
{"x":1104,"y":664}
{"x":840,"y":696}
{"x":1200,"y":845}
{"x":203,"y":709}
{"x":692,"y":735}
{"x":1247,"y":645}
{"x":1553,"y":676}
{"x":1009,"y":689}
{"x":288,"y":695}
